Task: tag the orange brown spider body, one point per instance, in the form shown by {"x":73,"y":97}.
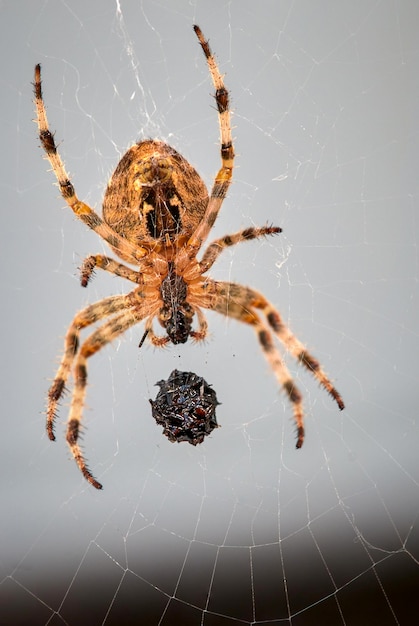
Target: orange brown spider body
{"x":155,"y":197}
{"x":157,"y":214}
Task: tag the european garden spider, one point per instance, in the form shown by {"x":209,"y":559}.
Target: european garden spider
{"x":156,"y":216}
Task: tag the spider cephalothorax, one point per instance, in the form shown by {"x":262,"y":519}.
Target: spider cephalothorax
{"x":157,"y":214}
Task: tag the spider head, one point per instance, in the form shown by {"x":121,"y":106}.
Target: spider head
{"x":176,"y":313}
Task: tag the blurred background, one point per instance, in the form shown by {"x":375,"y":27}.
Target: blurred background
{"x":243,"y":529}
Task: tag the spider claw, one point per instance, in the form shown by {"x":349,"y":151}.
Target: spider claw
{"x":89,"y":477}
{"x":87,"y":271}
{"x":51,"y":418}
{"x":337,"y":398}
{"x":272,"y":230}
{"x":340,"y":402}
{"x":300,"y":435}
{"x":84,"y":279}
{"x":74,"y":434}
{"x":50,"y":433}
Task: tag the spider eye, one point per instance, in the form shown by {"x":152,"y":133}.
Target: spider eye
{"x":155,"y":170}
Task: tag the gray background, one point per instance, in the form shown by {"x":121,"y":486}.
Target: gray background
{"x":244,"y":527}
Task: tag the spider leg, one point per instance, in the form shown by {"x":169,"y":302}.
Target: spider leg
{"x":84,"y":318}
{"x":240,"y":302}
{"x":283,"y":376}
{"x":294,"y":345}
{"x":200,"y":335}
{"x":216,"y":247}
{"x":108,"y":264}
{"x":248,"y":299}
{"x":223,"y":178}
{"x":111,"y":329}
{"x":233,"y":306}
{"x":82,"y":210}
{"x":159,"y":341}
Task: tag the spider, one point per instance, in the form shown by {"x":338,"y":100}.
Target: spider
{"x":157,"y":214}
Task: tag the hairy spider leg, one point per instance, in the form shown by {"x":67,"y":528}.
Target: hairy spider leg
{"x":106,"y":333}
{"x":239,"y":302}
{"x":215,"y":248}
{"x":223,"y":178}
{"x":81,"y":210}
{"x":199,"y":335}
{"x":99,"y":261}
{"x":227,"y":304}
{"x":88,"y":316}
{"x":294,"y":345}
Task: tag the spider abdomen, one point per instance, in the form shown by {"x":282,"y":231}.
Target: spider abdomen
{"x":154,"y":197}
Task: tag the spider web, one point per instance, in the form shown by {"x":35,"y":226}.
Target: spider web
{"x":243,"y":529}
